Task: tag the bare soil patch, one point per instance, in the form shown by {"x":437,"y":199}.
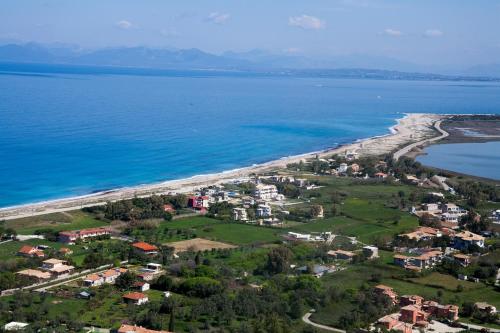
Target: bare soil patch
{"x":198,"y":244}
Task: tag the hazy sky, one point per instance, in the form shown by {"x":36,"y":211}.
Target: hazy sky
{"x":454,"y":32}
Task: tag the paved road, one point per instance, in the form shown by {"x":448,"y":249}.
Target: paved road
{"x":306,"y":320}
{"x":407,"y":149}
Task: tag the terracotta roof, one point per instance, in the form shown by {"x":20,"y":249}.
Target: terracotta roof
{"x":145,"y":246}
{"x":92,"y":277}
{"x":30,"y":250}
{"x":26,"y":249}
{"x":110,"y":272}
{"x":135,"y":296}
{"x":430,"y":254}
{"x":54,"y":261}
{"x":461,"y":256}
{"x":400,"y":256}
{"x":61,"y":268}
{"x":35,"y":273}
{"x":83,"y":232}
{"x":469,"y":236}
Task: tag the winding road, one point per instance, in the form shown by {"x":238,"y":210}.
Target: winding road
{"x":407,"y":149}
{"x":306,"y":320}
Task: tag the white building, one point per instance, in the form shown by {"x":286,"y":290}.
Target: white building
{"x":495,"y":216}
{"x":370,"y":251}
{"x":266,"y":192}
{"x":240,"y":214}
{"x":342,"y":168}
{"x":451,"y":209}
{"x":264,"y":210}
{"x":298,"y":236}
{"x":431,"y":208}
{"x":15,"y":326}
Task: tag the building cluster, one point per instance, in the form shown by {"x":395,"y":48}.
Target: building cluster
{"x":434,"y":182}
{"x":71,"y":237}
{"x":264,"y":197}
{"x":106,"y":277}
{"x":415,"y":312}
{"x":426,"y":257}
{"x":461,"y":240}
{"x":51,"y":268}
{"x":319,"y":237}
{"x":447,"y":214}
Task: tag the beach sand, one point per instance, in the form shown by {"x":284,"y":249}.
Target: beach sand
{"x":410,"y":129}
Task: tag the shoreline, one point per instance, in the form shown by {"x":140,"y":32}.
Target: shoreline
{"x":409,"y":129}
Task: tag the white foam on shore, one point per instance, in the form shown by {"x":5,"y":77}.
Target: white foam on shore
{"x":210,"y":177}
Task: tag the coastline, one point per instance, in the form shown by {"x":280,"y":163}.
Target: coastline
{"x":409,"y":129}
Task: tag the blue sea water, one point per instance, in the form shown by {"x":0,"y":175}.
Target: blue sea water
{"x":66,"y":134}
{"x":479,"y":159}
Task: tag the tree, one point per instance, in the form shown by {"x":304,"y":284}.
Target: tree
{"x":278,"y":260}
{"x":171,"y":322}
{"x":125,"y":281}
{"x":429,"y":220}
{"x":316,"y":210}
{"x":163,"y":282}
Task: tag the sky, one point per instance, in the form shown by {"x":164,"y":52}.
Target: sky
{"x":428,"y":32}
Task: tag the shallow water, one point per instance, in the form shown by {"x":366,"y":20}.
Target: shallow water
{"x":478,"y":159}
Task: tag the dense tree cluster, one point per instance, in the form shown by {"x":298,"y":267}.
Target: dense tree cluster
{"x":139,"y":208}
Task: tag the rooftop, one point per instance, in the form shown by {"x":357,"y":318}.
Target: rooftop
{"x":135,"y":296}
{"x":145,"y":246}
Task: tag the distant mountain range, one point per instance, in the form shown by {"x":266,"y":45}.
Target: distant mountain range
{"x":195,"y":59}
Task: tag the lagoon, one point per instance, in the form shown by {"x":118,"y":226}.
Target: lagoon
{"x":477,"y":159}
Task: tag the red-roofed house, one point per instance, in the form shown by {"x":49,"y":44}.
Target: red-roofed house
{"x":141,"y":285}
{"x":448,"y":311}
{"x":136,"y":298}
{"x":70,"y":237}
{"x":145,"y":248}
{"x":199,"y":202}
{"x":31,"y":252}
{"x":411,"y":300}
{"x":392,"y":323}
{"x":412,"y":314}
{"x":93,"y":280}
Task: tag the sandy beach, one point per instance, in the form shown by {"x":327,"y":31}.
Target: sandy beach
{"x":409,"y":130}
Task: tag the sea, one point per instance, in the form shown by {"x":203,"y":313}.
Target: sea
{"x":66,"y":133}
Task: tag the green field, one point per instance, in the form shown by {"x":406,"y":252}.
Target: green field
{"x":73,"y":220}
{"x":230,"y":232}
